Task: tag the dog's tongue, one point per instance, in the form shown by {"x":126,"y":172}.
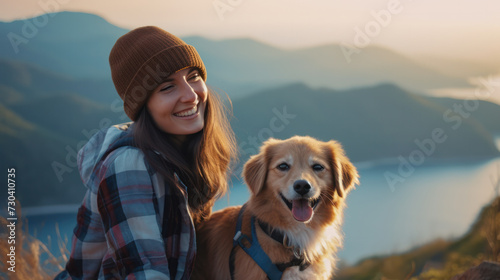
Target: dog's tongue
{"x":301,"y":210}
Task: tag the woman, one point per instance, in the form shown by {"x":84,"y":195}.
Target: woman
{"x":152,"y":180}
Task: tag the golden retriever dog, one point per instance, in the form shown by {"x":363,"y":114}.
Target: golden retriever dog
{"x":298,"y":187}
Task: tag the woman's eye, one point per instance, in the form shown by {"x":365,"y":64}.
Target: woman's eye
{"x":194,"y":76}
{"x":283,"y":167}
{"x":166,"y":88}
{"x":318,"y":167}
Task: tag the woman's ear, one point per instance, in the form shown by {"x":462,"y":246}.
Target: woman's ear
{"x":343,"y":171}
{"x":254,"y":172}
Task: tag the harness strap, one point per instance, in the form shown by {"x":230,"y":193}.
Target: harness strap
{"x":235,"y":242}
{"x":255,"y":251}
{"x":295,"y":262}
{"x":274,"y":234}
{"x":279,"y":237}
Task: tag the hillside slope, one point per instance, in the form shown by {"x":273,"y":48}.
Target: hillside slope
{"x":440,"y":259}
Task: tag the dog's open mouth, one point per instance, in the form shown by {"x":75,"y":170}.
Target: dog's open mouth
{"x":302,"y":209}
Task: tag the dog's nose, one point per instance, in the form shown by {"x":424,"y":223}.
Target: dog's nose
{"x":301,"y":187}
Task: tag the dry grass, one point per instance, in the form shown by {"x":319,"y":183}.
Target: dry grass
{"x":455,"y":264}
{"x":29,"y":252}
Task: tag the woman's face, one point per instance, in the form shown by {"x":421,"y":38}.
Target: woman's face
{"x":178,"y":104}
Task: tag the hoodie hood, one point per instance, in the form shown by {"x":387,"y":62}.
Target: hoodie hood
{"x":92,"y":155}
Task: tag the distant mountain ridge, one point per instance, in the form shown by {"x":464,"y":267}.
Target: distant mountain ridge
{"x":77,"y":45}
{"x":72,"y":44}
{"x":371,"y":123}
{"x":22,"y":81}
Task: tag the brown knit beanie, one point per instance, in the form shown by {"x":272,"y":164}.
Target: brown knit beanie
{"x":141,"y":59}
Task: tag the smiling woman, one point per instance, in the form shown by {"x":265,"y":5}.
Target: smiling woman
{"x":178,"y":105}
{"x":152,"y":181}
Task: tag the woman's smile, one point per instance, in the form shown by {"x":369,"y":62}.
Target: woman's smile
{"x":187,"y":113}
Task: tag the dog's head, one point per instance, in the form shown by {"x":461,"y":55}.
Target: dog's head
{"x":300,"y":176}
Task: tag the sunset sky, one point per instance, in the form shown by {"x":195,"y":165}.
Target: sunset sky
{"x":464,"y":29}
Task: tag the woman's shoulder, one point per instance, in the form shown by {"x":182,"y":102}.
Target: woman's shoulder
{"x":109,"y":146}
{"x":120,"y":154}
{"x":125,"y":171}
{"x":126,"y":158}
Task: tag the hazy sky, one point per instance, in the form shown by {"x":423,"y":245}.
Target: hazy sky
{"x":449,"y":28}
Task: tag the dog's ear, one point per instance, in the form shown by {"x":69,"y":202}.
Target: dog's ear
{"x":343,"y":171}
{"x":255,"y":169}
{"x":254,"y":172}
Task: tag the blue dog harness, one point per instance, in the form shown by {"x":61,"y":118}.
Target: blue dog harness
{"x":255,"y":251}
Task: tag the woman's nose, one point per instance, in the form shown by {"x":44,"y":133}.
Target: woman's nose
{"x":188,"y":93}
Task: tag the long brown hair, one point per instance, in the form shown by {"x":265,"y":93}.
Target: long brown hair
{"x":202,"y":162}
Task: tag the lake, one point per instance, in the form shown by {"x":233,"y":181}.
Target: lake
{"x":440,"y":199}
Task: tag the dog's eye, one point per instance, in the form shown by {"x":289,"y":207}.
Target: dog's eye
{"x":283,"y":166}
{"x":318,"y":167}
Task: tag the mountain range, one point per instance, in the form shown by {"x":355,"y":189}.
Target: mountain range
{"x":77,"y":45}
{"x":56,"y":91}
{"x":372,"y":123}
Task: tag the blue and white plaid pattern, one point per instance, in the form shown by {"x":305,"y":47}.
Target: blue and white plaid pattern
{"x":123,"y":230}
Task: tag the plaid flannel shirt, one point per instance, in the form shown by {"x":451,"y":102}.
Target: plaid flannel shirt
{"x":123,"y":229}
